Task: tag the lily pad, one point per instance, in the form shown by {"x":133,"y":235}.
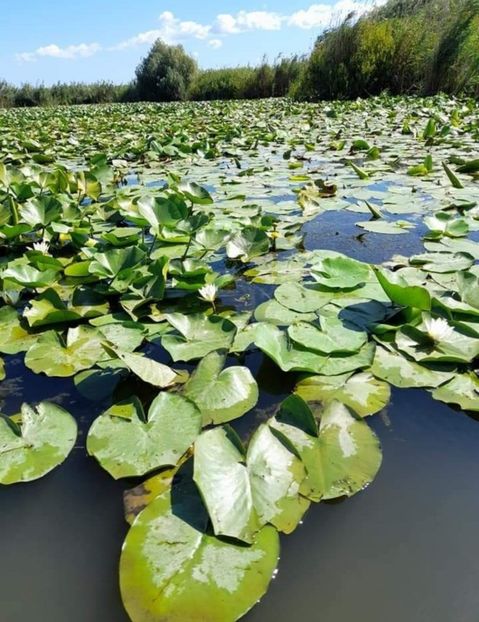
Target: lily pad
{"x":54,"y":357}
{"x":363,"y":393}
{"x":34,"y":442}
{"x":128,"y":444}
{"x":333,"y":337}
{"x":276,"y":344}
{"x":221,"y":394}
{"x":401,"y":292}
{"x":399,"y":371}
{"x":199,"y":335}
{"x":172,"y":569}
{"x":340,"y":272}
{"x":243,"y":492}
{"x":462,"y":390}
{"x":341,"y":458}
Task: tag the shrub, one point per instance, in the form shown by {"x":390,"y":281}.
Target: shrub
{"x":419,"y":46}
{"x":165,"y":74}
{"x":221,"y":84}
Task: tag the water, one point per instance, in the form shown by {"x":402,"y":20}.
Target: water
{"x":404,"y":549}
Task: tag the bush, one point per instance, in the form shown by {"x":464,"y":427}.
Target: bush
{"x":407,"y":46}
{"x":165,"y":74}
{"x":221,"y":84}
{"x":247,"y":82}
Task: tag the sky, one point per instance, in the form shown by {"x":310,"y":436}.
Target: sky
{"x":46,"y":41}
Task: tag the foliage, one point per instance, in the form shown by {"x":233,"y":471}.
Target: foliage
{"x":63,"y":94}
{"x":403,"y":47}
{"x":149,"y":249}
{"x":165,"y":74}
{"x":266,"y":80}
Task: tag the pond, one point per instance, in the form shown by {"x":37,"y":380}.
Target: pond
{"x":405,"y":547}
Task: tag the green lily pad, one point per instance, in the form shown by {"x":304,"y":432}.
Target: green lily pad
{"x":221,"y":394}
{"x":34,"y":442}
{"x":462,"y":390}
{"x":149,"y":370}
{"x":276,"y":344}
{"x":363,"y":393}
{"x":442,"y":262}
{"x":401,"y":292}
{"x":247,"y":244}
{"x":301,"y":298}
{"x":14,"y":337}
{"x":397,"y":227}
{"x":399,"y":371}
{"x":458,"y":345}
{"x":172,"y":569}
{"x":275,"y":313}
{"x":341,"y":458}
{"x":333,"y":337}
{"x":243,"y":492}
{"x":199,"y":335}
{"x":340,"y":273}
{"x":128,"y":444}
{"x":53,"y":357}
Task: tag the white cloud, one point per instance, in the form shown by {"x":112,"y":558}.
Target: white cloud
{"x":324,"y":15}
{"x":83,"y":50}
{"x":174,"y":30}
{"x":171,"y":30}
{"x":149,"y":36}
{"x":215,"y":43}
{"x":246,"y":21}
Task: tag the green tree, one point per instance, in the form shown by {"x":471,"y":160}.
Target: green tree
{"x":165,"y":74}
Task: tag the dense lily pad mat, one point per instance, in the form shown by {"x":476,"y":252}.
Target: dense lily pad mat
{"x":150,"y":249}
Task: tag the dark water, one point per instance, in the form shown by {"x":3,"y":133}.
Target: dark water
{"x":406,"y":549}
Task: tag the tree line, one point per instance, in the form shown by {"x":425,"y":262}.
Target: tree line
{"x":167,"y":73}
{"x":405,"y":47}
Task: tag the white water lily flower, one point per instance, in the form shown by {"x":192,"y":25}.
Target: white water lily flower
{"x":438,"y":329}
{"x":42,"y":247}
{"x":208,"y":292}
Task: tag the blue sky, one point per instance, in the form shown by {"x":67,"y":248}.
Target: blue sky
{"x":88,"y":40}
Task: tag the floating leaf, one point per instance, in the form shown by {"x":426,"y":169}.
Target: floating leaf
{"x":340,"y":272}
{"x":333,"y":337}
{"x":399,"y":371}
{"x":401,"y":292}
{"x":249,"y":243}
{"x":458,"y":345}
{"x":127,"y":444}
{"x":34,"y":442}
{"x":221,"y":394}
{"x":150,"y":371}
{"x":361,"y":392}
{"x":275,"y":343}
{"x":341,"y":458}
{"x":244,"y":492}
{"x":53,"y":357}
{"x":301,"y":298}
{"x":14,"y":337}
{"x":172,"y":569}
{"x":462,"y":390}
{"x":199,"y":335}
{"x":275,"y":313}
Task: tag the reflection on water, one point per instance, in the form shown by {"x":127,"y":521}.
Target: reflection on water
{"x":405,"y":549}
